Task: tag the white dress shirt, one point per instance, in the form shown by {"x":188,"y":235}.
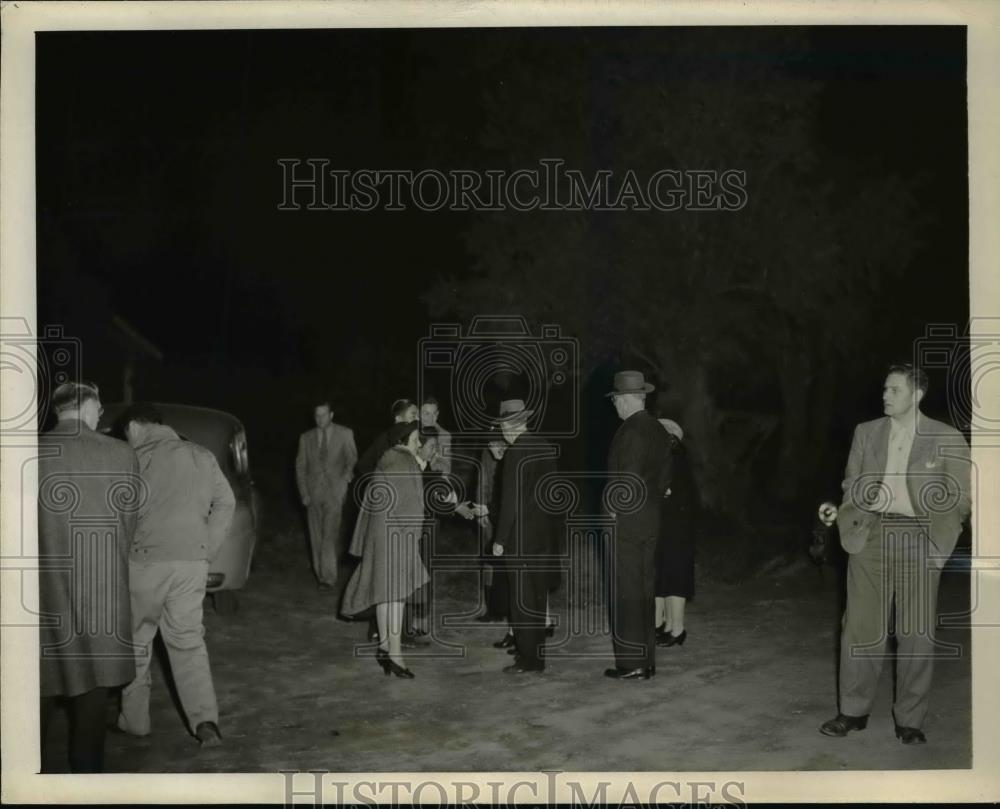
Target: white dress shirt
{"x":897,"y":495}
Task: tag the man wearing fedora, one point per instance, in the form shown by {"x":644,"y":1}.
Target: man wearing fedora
{"x":906,"y":494}
{"x":638,"y":475}
{"x":525,"y":535}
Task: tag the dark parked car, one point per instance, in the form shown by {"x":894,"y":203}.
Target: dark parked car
{"x":224,"y":435}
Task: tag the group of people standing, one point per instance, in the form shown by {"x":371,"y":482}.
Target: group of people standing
{"x":127,"y":530}
{"x":404,"y":481}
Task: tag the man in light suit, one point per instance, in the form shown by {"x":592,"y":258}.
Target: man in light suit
{"x":906,"y":494}
{"x":324,"y":467}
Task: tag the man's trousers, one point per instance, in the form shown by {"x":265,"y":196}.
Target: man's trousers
{"x":86,"y":728}
{"x":632,"y":602}
{"x":167,"y":597}
{"x":325,"y":521}
{"x":528,"y":593}
{"x":892,"y":587}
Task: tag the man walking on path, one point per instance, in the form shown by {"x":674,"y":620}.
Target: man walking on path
{"x":324,"y":467}
{"x":182,"y":525}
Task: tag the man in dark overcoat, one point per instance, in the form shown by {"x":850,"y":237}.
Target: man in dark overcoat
{"x":89,"y":493}
{"x":638,"y":475}
{"x":525,"y":535}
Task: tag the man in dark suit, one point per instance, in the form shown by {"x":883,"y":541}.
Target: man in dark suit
{"x":638,"y":476}
{"x":525,"y":534}
{"x":324,"y":467}
{"x":89,"y":495}
{"x":906,"y":494}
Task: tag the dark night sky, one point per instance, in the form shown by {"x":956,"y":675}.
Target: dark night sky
{"x":157,"y":174}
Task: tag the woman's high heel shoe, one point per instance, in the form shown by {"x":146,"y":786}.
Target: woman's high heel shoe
{"x":382,"y":658}
{"x":673,"y":640}
{"x":390,"y":666}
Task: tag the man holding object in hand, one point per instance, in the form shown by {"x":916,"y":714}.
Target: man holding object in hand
{"x":906,"y":494}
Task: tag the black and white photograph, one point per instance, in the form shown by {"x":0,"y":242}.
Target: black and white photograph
{"x":396,"y":390}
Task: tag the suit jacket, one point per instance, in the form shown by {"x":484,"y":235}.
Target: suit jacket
{"x":524,"y":527}
{"x":938,"y":480}
{"x":639,"y":474}
{"x":88,"y":499}
{"x":325,"y":482}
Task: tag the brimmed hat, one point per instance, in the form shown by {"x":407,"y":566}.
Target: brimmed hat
{"x":630,"y":382}
{"x":513,"y":411}
{"x":673,"y":428}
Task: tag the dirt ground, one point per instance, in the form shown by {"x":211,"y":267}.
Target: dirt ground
{"x":748,"y":691}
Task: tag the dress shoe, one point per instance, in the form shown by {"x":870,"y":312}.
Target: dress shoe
{"x":842,"y":724}
{"x":487,"y":618}
{"x":521,"y":668}
{"x":208,"y":734}
{"x":669,"y":639}
{"x":390,"y":666}
{"x":324,"y":586}
{"x":506,"y":643}
{"x":550,"y":631}
{"x":412,"y":641}
{"x":910,"y":735}
{"x":630,"y":674}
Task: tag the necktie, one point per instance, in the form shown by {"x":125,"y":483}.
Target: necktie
{"x":322,"y":445}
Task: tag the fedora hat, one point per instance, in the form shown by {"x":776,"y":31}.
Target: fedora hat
{"x":513,"y":411}
{"x":630,"y":382}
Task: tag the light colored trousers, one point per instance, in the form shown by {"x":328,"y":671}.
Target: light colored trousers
{"x":167,"y":596}
{"x":325,"y":519}
{"x":891,"y":582}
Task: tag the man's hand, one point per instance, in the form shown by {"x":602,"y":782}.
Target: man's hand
{"x":497,"y":549}
{"x":827,"y":514}
{"x":479,"y":509}
{"x":463,"y":510}
{"x":306,"y":500}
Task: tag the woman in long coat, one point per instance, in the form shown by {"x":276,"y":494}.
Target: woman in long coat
{"x":676,"y":546}
{"x":387,"y":538}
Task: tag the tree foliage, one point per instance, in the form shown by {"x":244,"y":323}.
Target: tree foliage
{"x":777,"y":292}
